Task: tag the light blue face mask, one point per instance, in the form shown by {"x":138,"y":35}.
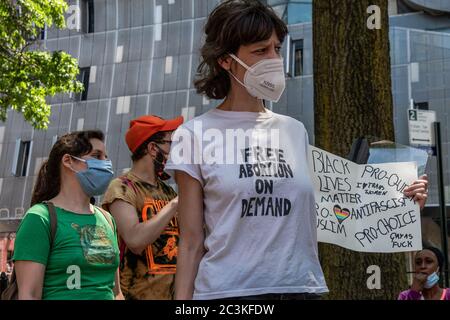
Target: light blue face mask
{"x":96,"y":178}
{"x":431,"y":280}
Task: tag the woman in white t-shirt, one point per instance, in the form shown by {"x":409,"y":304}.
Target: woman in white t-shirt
{"x":246,"y":202}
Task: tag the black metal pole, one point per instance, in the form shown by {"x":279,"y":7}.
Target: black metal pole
{"x":442,"y":207}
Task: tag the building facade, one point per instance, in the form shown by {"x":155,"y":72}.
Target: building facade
{"x":139,"y":57}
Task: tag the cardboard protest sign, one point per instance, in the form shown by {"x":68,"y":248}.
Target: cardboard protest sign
{"x":362,"y":207}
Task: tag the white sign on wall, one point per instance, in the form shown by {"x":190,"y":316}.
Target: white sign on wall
{"x":420,"y":125}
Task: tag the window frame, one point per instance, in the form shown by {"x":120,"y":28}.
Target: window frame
{"x":22,"y":158}
{"x":294,"y":44}
{"x":83,"y":77}
{"x":87,"y":13}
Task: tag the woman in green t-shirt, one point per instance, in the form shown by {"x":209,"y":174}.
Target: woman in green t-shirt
{"x":81,"y":261}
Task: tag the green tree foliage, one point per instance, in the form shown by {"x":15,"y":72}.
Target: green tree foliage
{"x":28,"y":76}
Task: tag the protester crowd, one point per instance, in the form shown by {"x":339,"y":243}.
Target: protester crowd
{"x":145,"y":241}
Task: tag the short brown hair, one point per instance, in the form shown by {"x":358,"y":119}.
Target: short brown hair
{"x":231,"y":24}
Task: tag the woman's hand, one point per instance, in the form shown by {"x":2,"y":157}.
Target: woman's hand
{"x":419,"y":281}
{"x":418,"y":190}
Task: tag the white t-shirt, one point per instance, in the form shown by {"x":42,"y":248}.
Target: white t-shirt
{"x":259,"y":207}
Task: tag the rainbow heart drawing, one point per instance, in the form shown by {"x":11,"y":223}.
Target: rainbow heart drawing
{"x":341,"y":214}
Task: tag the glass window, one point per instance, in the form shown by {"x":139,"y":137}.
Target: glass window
{"x":21,"y":158}
{"x":421,"y":105}
{"x":83,"y":77}
{"x":444,"y":30}
{"x":403,"y":7}
{"x":87,"y":10}
{"x":43,"y":33}
{"x":296,"y":69}
{"x":299,"y":12}
{"x":281,"y":11}
{"x":292,"y":11}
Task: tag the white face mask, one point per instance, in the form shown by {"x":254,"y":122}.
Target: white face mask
{"x":264,"y":80}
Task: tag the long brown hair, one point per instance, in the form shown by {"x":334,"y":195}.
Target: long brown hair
{"x":48,"y":183}
{"x":231,"y":24}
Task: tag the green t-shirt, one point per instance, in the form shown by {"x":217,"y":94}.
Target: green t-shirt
{"x":84,"y":257}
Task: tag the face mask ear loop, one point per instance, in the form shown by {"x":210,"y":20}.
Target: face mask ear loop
{"x":76,"y":158}
{"x":240,"y":61}
{"x":73,"y":170}
{"x":165,"y":155}
{"x":79,"y":159}
{"x":161,"y":150}
{"x":242,"y":64}
{"x":235,"y":78}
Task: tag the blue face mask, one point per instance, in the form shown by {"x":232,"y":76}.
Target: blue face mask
{"x":431,"y":280}
{"x":96,"y":178}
